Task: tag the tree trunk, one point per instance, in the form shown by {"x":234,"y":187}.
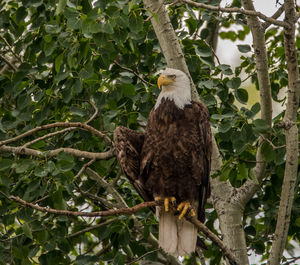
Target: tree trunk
{"x":291,"y":136}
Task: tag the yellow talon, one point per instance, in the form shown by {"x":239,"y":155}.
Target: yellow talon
{"x":158,"y":198}
{"x":166,"y":201}
{"x":192,"y":213}
{"x":184,"y":207}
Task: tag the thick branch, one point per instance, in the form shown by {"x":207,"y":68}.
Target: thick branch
{"x":127,"y":211}
{"x":245,"y":11}
{"x":225,"y":250}
{"x":112,"y":212}
{"x":80,"y":125}
{"x":250,"y":187}
{"x":167,"y":39}
{"x":75,"y":152}
{"x":291,"y":136}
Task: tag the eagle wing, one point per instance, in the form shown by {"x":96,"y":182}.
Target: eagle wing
{"x":128,"y":144}
{"x":201,"y":155}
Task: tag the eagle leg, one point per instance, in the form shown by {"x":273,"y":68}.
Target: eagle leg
{"x":184,"y":207}
{"x":166,"y":201}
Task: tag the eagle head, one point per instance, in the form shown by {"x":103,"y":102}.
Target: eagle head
{"x":175,"y":86}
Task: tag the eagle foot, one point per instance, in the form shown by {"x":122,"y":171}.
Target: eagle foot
{"x":167,"y":201}
{"x":185,"y":207}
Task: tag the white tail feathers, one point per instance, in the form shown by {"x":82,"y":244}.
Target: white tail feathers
{"x":177,"y":237}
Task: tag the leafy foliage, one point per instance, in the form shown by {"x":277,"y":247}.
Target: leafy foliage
{"x":68,"y":58}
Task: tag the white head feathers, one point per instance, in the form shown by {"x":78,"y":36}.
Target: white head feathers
{"x":175,"y":86}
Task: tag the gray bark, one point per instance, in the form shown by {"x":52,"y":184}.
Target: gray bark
{"x":291,"y":134}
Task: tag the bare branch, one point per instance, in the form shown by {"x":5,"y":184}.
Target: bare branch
{"x":141,"y":257}
{"x":59,"y":124}
{"x":107,"y":222}
{"x":112,"y":212}
{"x":95,"y":113}
{"x":94,"y":175}
{"x":250,"y":187}
{"x":225,"y":250}
{"x":237,"y":10}
{"x":75,"y":152}
{"x":83,"y":168}
{"x":48,"y":135}
{"x":291,"y":137}
{"x":270,"y":142}
{"x":276,"y":15}
{"x":131,"y":71}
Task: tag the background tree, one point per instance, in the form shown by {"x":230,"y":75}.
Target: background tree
{"x":71,"y":71}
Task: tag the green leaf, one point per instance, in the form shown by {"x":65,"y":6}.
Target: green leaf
{"x":40,"y":172}
{"x":191,"y":24}
{"x":52,"y":27}
{"x":225,"y":126}
{"x":260,"y":126}
{"x":27,"y":230}
{"x":21,"y":14}
{"x":244,"y":48}
{"x":136,"y":23}
{"x":24,"y":165}
{"x":268,"y":152}
{"x":243,"y":170}
{"x":297,"y":222}
{"x":255,"y":108}
{"x":58,"y":62}
{"x":5,"y":164}
{"x":225,"y":68}
{"x":241,"y":95}
{"x":60,"y":6}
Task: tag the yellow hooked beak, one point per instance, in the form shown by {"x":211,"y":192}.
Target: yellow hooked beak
{"x":164,"y":80}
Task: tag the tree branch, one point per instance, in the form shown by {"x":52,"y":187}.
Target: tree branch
{"x":80,"y":125}
{"x":133,"y":72}
{"x":8,"y":63}
{"x":167,"y":38}
{"x":126,"y":211}
{"x":11,"y":49}
{"x":20,"y":150}
{"x":237,"y":10}
{"x":246,"y":192}
{"x":107,"y":222}
{"x":112,"y":212}
{"x":276,"y":15}
{"x":225,"y":250}
{"x":291,"y":136}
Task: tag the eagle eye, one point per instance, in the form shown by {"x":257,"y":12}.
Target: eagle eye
{"x":171,"y":76}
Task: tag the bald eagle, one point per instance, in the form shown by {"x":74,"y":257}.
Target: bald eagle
{"x":171,"y":160}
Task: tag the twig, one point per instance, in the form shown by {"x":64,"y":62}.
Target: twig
{"x":237,"y":10}
{"x":132,"y":71}
{"x":144,"y":255}
{"x":48,"y":136}
{"x":75,"y":152}
{"x":95,"y":113}
{"x":11,"y":49}
{"x":94,"y":175}
{"x":60,"y":124}
{"x":273,"y":146}
{"x":8,"y":63}
{"x":276,"y":15}
{"x":83,"y":168}
{"x":107,"y":222}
